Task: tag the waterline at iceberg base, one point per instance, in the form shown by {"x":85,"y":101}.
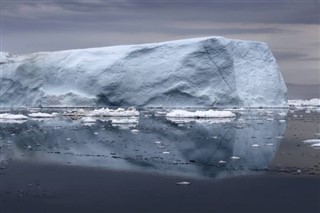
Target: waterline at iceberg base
{"x":201,"y":72}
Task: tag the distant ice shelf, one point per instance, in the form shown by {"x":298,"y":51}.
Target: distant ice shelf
{"x":301,"y":103}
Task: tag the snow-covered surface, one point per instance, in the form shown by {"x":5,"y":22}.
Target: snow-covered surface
{"x":7,"y":116}
{"x":315,"y":143}
{"x":310,"y":102}
{"x":200,"y":114}
{"x":201,"y":72}
{"x":120,"y":112}
{"x":4,"y":57}
{"x":42,"y":115}
{"x":312,"y":141}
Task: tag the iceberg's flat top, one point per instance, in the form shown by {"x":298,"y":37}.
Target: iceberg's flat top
{"x":201,"y":72}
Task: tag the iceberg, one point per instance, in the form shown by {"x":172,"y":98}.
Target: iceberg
{"x":200,"y":72}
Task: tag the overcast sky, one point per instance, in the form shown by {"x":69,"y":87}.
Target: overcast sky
{"x":290,"y":27}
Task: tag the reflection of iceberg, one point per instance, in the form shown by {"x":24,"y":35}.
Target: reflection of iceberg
{"x":200,"y":120}
{"x":193,"y":149}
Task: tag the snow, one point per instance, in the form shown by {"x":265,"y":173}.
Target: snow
{"x":120,"y":112}
{"x":4,"y":57}
{"x":7,"y":116}
{"x":312,"y":141}
{"x":88,"y":120}
{"x":201,"y":72}
{"x":200,"y":114}
{"x":42,"y":115}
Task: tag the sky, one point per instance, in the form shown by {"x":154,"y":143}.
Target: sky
{"x":291,"y":28}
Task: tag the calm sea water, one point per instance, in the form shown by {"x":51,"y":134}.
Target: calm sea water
{"x":255,"y":162}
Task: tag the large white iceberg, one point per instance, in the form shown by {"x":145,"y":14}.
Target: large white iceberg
{"x":201,"y":72}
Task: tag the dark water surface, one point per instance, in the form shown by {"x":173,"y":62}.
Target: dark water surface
{"x":253,"y":163}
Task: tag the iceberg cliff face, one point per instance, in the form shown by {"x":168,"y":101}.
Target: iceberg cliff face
{"x":202,"y":72}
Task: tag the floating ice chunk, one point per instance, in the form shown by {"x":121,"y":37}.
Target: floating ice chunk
{"x":200,"y":114}
{"x":269,"y":144}
{"x":282,"y":121}
{"x":157,"y":142}
{"x":316,"y":145}
{"x":312,"y":141}
{"x":255,"y":145}
{"x":235,"y":158}
{"x":222,"y":162}
{"x":88,"y":120}
{"x":7,"y":116}
{"x":42,"y":115}
{"x":135,"y":131}
{"x":166,"y":152}
{"x":120,"y":112}
{"x":282,"y":114}
{"x":183,"y":183}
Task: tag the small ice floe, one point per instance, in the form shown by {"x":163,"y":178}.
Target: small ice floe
{"x":42,"y":115}
{"x":235,"y":158}
{"x":282,"y":121}
{"x":312,"y":141}
{"x":12,"y":118}
{"x":315,"y":143}
{"x":166,"y":152}
{"x":96,"y":133}
{"x":215,"y":137}
{"x":120,"y":112}
{"x":7,"y":116}
{"x":222,"y":162}
{"x":88,"y":120}
{"x":282,"y":114}
{"x":160,"y":113}
{"x":68,"y":139}
{"x":74,"y":112}
{"x":307,"y":111}
{"x":269,"y":144}
{"x":200,"y":114}
{"x":270,"y":119}
{"x":157,"y":142}
{"x":183,"y":183}
{"x":135,"y":131}
{"x":255,"y":145}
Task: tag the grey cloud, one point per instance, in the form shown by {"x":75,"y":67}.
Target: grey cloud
{"x":259,"y":11}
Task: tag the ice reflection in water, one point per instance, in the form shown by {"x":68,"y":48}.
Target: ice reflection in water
{"x":198,"y":148}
